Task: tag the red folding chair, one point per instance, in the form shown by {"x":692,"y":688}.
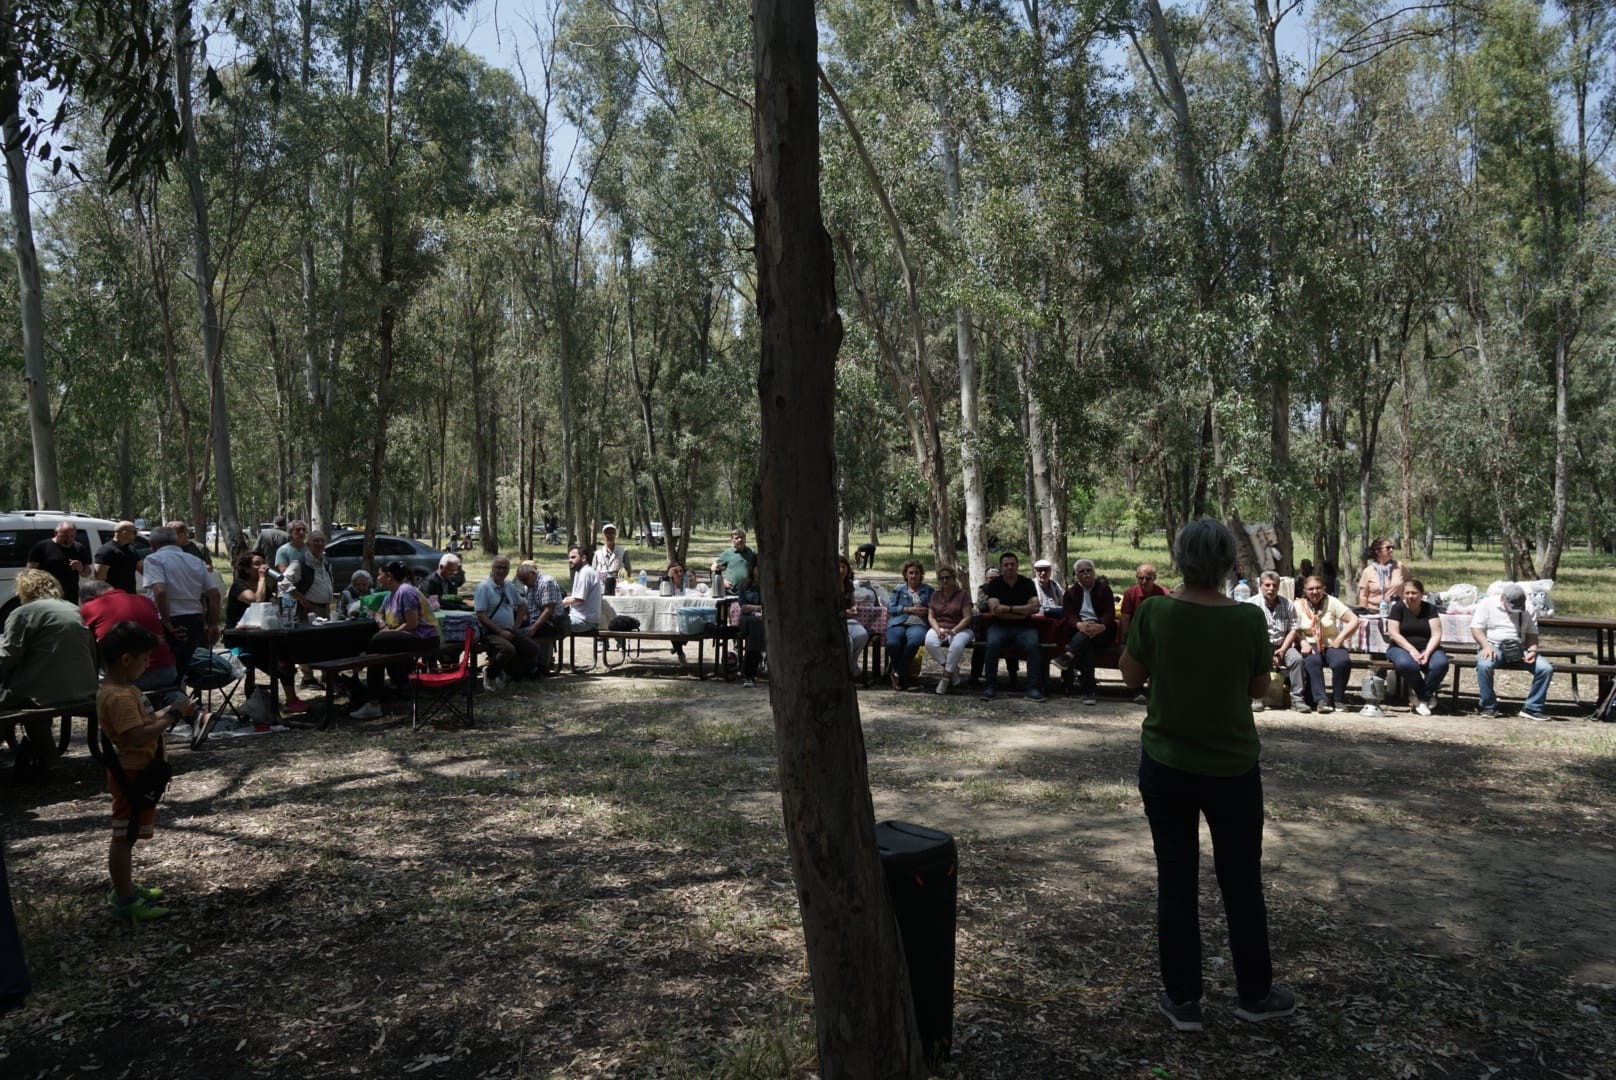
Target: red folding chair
{"x":443,"y":687}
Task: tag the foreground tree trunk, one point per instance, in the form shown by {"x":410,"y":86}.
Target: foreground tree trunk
{"x":47,"y":492}
{"x":864,"y":1017}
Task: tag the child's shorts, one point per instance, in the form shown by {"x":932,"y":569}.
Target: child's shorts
{"x":121,"y":809}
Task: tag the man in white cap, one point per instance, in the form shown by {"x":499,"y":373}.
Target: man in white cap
{"x":609,"y":559}
{"x":1049,"y":590}
{"x":1506,"y":636}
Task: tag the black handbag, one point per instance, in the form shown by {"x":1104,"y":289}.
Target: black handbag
{"x":1511,"y":652}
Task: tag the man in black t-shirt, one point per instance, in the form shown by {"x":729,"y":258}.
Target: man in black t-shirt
{"x":116,"y":560}
{"x":64,"y":557}
{"x":1012,"y":600}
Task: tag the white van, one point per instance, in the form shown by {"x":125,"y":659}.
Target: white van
{"x":20,"y":530}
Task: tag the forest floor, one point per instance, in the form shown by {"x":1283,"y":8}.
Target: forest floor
{"x":593,"y":882}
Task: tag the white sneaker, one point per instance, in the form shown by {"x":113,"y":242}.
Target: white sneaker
{"x":1422,"y":708}
{"x":944,"y":683}
{"x":1258,"y":704}
{"x":370,"y":710}
{"x":490,"y":682}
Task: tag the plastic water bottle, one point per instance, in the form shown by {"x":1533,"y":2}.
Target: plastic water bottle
{"x":288,"y":604}
{"x":643,"y":580}
{"x":1242,"y":591}
{"x":1385,"y":609}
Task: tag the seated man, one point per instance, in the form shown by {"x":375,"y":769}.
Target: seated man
{"x":583,"y":603}
{"x":545,"y":621}
{"x":47,"y":656}
{"x":502,"y":610}
{"x":1089,"y":624}
{"x":447,"y":579}
{"x":1506,"y":636}
{"x":1049,"y":590}
{"x":1012,"y":601}
{"x":1280,"y":614}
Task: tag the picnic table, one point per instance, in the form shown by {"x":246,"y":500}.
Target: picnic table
{"x":300,"y":643}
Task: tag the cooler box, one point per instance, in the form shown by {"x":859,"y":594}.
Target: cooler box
{"x":696,"y":621}
{"x":921,"y":870}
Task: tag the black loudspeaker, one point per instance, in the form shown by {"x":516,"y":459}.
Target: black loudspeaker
{"x":921,"y":869}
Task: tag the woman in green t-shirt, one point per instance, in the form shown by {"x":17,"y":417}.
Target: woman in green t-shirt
{"x":1206,"y":658}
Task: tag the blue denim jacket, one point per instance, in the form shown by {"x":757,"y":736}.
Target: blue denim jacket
{"x":901,"y":598}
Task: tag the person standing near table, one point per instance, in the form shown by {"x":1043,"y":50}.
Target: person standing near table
{"x":64,"y":557}
{"x":116,"y":561}
{"x":271,"y":539}
{"x":1012,"y":601}
{"x":185,"y":595}
{"x":1382,"y":579}
{"x":251,"y":586}
{"x":1324,"y":625}
{"x":1414,"y":636}
{"x":1206,"y":656}
{"x":609,"y":560}
{"x":733,"y":563}
{"x":583,"y":603}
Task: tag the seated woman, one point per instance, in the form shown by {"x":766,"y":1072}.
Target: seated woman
{"x":251,"y":586}
{"x":407,"y":627}
{"x":352,"y":597}
{"x":750,"y":596}
{"x":857,"y":636}
{"x":1323,"y":626}
{"x":907,"y":607}
{"x":950,"y":619}
{"x":47,"y":656}
{"x":1414,"y":630}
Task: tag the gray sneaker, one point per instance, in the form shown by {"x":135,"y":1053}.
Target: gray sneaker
{"x":1298,"y":705}
{"x":1279,"y":1002}
{"x":1184,"y":1017}
{"x":1528,"y":714}
{"x":989,"y":692}
{"x":1487,"y":714}
{"x":1088,"y":697}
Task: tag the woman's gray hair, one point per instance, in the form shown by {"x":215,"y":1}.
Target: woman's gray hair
{"x":1205,"y":552}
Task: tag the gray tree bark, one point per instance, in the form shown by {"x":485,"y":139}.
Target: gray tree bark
{"x":864,"y":1017}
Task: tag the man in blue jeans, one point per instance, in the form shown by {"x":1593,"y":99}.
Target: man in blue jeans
{"x":1013,"y":601}
{"x":1500,"y":625}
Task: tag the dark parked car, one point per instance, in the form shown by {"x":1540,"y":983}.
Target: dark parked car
{"x":346,"y":553}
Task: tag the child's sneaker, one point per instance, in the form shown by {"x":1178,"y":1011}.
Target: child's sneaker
{"x":142,"y":892}
{"x":138,"y":909}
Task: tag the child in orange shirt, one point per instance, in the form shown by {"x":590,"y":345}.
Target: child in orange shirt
{"x":137,"y":733}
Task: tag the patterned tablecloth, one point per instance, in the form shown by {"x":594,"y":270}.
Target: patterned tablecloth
{"x":1371,"y":635}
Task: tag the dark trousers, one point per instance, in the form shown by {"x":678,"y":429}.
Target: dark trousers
{"x":393,"y":641}
{"x":903,"y":641}
{"x":1023,"y":636}
{"x":1082,"y":649}
{"x":1174,"y":803}
{"x":196,"y":637}
{"x":518,"y":654}
{"x":752,"y":637}
{"x":1339,"y":661}
{"x":13,"y":968}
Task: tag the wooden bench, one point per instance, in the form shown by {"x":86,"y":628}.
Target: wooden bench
{"x":606,"y":639}
{"x":330,"y":669}
{"x":11,"y":719}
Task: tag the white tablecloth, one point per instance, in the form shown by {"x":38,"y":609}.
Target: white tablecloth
{"x":657,"y":614}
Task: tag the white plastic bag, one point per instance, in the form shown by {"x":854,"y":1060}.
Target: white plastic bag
{"x":1460,"y":598}
{"x":1538,"y":600}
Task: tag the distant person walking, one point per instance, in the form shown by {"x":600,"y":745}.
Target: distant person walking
{"x":1206,"y":657}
